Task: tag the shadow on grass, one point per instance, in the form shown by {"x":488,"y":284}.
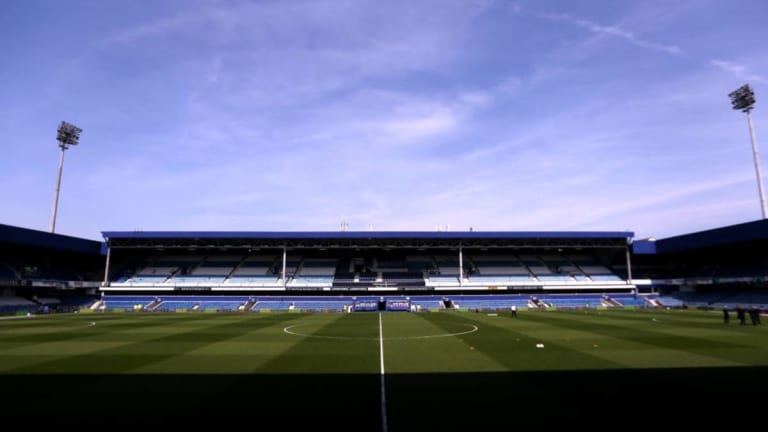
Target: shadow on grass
{"x":472,"y":401}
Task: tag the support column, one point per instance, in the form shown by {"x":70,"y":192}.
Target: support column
{"x":285,"y":257}
{"x":106,"y":268}
{"x":58,"y":188}
{"x":461,"y":267}
{"x":629,"y":266}
{"x":756,"y":157}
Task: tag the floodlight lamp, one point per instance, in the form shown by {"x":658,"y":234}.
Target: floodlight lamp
{"x":68,"y":134}
{"x":743,"y":98}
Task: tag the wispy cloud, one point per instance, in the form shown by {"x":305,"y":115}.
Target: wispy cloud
{"x":739,"y":71}
{"x":155,"y":28}
{"x":662,"y":195}
{"x":420,"y":127}
{"x":613,"y":31}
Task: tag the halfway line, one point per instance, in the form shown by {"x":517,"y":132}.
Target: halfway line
{"x":383,"y":386}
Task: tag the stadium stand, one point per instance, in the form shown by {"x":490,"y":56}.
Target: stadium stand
{"x":707,"y":269}
{"x":361,"y":262}
{"x":44,"y":272}
{"x":341,"y":271}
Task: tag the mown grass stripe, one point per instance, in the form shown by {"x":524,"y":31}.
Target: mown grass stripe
{"x":130,"y":356}
{"x":358,"y":354}
{"x":657,"y":334}
{"x":243,"y":354}
{"x":416,"y":345}
{"x":620,"y":350}
{"x":517,"y":350}
{"x":58,"y":329}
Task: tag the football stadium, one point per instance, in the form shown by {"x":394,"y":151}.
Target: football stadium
{"x":610,"y":271}
{"x":380,"y":330}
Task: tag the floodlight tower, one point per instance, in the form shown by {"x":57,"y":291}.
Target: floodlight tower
{"x":68,"y":135}
{"x":743,"y":99}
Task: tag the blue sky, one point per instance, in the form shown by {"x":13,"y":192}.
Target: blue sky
{"x":395,"y":115}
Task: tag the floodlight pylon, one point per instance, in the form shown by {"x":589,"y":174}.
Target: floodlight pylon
{"x":67,"y":135}
{"x":743,"y":99}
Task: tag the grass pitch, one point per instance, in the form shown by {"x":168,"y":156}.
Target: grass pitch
{"x":455,"y":371}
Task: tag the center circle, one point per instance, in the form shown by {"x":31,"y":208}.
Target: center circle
{"x":289,"y":330}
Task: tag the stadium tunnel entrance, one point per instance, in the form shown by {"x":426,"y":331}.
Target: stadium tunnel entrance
{"x":381,"y":304}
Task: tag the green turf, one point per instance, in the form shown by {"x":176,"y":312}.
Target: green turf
{"x":329,"y":364}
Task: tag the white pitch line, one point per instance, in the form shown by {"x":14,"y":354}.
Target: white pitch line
{"x":17,"y":317}
{"x":383,"y":387}
{"x":288,"y":329}
{"x":381,"y":338}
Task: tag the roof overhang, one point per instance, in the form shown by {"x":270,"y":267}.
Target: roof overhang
{"x":40,"y":239}
{"x":749,"y":232}
{"x":365,"y":239}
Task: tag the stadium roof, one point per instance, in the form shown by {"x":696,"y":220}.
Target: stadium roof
{"x":729,"y":235}
{"x":368,"y":239}
{"x":45,"y":240}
